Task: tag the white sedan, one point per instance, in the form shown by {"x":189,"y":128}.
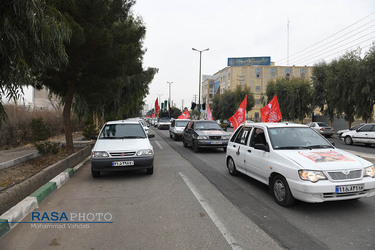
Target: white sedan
{"x":296,"y":162}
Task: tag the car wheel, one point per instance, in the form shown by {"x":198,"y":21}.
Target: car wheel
{"x":195,"y":147}
{"x":281,"y":191}
{"x":174,"y":137}
{"x":150,"y":171}
{"x":170,"y":135}
{"x":348,"y":140}
{"x":231,"y":167}
{"x":184,"y":143}
{"x":95,"y":174}
{"x":225,"y":149}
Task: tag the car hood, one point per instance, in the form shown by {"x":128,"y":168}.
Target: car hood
{"x":324,"y":159}
{"x":211,"y":132}
{"x":179,"y":129}
{"x":113,"y":145}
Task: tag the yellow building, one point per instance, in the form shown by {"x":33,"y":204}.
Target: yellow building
{"x":252,"y":72}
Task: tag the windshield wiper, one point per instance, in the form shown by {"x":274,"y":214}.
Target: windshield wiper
{"x":294,"y":147}
{"x":131,"y":137}
{"x":321,"y":146}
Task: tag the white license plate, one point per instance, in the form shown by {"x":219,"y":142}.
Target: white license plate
{"x":122,"y":163}
{"x":349,"y":189}
{"x":216,"y":142}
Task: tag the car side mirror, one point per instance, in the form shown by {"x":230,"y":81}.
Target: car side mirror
{"x":151,"y":135}
{"x":262,"y":147}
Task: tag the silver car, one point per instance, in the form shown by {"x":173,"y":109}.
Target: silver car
{"x":176,"y":128}
{"x":322,"y":128}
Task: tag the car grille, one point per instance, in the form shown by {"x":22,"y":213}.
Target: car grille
{"x":215,"y":137}
{"x":335,"y":195}
{"x":122,"y":154}
{"x":339,"y":175}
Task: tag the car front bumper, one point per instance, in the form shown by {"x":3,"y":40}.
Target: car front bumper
{"x":105,"y":164}
{"x":325,"y":190}
{"x":212,"y":143}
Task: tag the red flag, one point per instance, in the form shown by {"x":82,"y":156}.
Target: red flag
{"x":239,"y":116}
{"x":157,"y":108}
{"x":209,"y":114}
{"x":271,"y":112}
{"x":184,"y":115}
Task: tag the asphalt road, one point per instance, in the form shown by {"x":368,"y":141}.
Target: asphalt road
{"x":331,"y":225}
{"x":191,"y":202}
{"x":175,"y":208}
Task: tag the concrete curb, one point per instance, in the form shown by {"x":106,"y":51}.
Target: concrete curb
{"x":10,"y":219}
{"x":18,"y":160}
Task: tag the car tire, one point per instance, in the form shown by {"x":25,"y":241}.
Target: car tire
{"x":281,"y":191}
{"x":170,"y":135}
{"x":184,"y":143}
{"x":150,"y":171}
{"x":174,"y":137}
{"x":225,"y":149}
{"x":95,"y":174}
{"x":194,"y":146}
{"x":231,"y":167}
{"x":348,"y":140}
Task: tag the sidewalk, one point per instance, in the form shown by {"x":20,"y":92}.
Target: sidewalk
{"x":15,"y":156}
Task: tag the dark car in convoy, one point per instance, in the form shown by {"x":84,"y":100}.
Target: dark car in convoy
{"x":204,"y":134}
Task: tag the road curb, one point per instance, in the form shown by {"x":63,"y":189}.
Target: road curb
{"x":18,"y":160}
{"x":10,"y":219}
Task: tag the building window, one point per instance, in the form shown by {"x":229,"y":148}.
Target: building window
{"x":288,"y":73}
{"x":303,"y":73}
{"x":256,"y":115}
{"x":257,"y":101}
{"x":257,"y":88}
{"x":273,"y":73}
{"x":258,"y":72}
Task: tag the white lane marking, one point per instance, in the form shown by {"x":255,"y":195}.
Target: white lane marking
{"x":159,"y":145}
{"x":211,"y":213}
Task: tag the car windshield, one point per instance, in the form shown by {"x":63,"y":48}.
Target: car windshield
{"x":164,"y":120}
{"x":122,"y":131}
{"x":321,"y":124}
{"x":296,"y":138}
{"x":181,"y":123}
{"x":356,"y":126}
{"x":207,"y":126}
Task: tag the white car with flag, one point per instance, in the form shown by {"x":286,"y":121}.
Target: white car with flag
{"x":296,"y":162}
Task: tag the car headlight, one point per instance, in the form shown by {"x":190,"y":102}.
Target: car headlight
{"x":370,"y":171}
{"x":202,"y":137}
{"x":145,"y":152}
{"x":99,"y":154}
{"x":311,"y":175}
{"x":225,"y":137}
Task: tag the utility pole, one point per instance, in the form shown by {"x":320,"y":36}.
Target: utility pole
{"x":287,"y":50}
{"x":200,"y":79}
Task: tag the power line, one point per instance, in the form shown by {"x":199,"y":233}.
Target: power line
{"x":330,"y":36}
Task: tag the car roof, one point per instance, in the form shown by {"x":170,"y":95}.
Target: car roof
{"x":128,"y":121}
{"x":275,"y":124}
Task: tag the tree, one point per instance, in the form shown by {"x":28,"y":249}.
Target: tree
{"x":105,"y":75}
{"x":32,"y":40}
{"x":294,"y":97}
{"x":175,"y":112}
{"x":346,"y":77}
{"x":323,"y":82}
{"x":366,"y":85}
{"x":225,"y":105}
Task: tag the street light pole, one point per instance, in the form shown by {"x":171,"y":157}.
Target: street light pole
{"x":200,"y":79}
{"x":169,"y":99}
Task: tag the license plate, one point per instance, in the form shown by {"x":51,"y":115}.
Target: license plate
{"x":349,"y":189}
{"x":122,"y":163}
{"x":216,"y":142}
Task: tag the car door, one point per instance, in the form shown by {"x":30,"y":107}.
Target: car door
{"x":238,"y":147}
{"x":371,"y":137}
{"x":188,"y":132}
{"x":363,"y":134}
{"x":256,"y":160}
